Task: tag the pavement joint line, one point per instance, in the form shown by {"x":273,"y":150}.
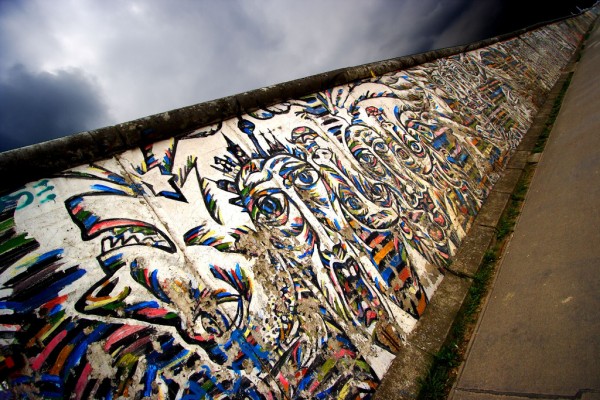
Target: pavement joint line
{"x":527,"y":395}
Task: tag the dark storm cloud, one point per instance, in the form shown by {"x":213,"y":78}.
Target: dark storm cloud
{"x":413,"y":27}
{"x":39,"y":107}
{"x":517,"y":14}
{"x":150,"y":56}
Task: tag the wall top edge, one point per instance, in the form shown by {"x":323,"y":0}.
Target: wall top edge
{"x":25,"y":164}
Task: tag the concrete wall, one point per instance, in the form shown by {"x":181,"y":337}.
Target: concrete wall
{"x":282,"y":253}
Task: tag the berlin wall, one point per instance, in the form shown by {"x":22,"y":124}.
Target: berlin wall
{"x":281,"y":253}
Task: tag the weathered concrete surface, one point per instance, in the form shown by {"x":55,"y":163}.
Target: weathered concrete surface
{"x":402,"y":381}
{"x":472,"y":249}
{"x":518,"y":159}
{"x":534,"y":158}
{"x":492,"y":209}
{"x":286,"y":252}
{"x":430,"y":333}
{"x":508,"y":181}
{"x":539,"y":335}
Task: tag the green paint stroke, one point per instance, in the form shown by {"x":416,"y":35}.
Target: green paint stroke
{"x":15,"y":242}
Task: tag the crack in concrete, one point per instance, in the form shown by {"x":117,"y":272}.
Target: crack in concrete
{"x":462,"y":275}
{"x":489,"y":226}
{"x":527,"y":395}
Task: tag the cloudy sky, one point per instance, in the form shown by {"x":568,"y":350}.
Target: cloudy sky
{"x":73,"y":65}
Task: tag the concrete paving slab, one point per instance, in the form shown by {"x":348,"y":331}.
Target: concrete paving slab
{"x":518,"y":160}
{"x":540,"y":330}
{"x":534,"y":158}
{"x":494,"y":205}
{"x":528,"y":142}
{"x":402,"y":379}
{"x":434,"y":325}
{"x":472,"y":249}
{"x":508,"y":181}
{"x":464,"y":395}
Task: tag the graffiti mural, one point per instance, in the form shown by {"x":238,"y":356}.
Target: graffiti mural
{"x":284,"y":253}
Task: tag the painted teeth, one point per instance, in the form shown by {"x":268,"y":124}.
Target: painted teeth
{"x":129,"y":238}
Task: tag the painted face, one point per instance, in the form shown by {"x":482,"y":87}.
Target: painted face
{"x":385,"y":151}
{"x":291,"y":198}
{"x":412,"y":142}
{"x":368,"y":148}
{"x":207,"y":315}
{"x":275,"y":190}
{"x":144,"y":278}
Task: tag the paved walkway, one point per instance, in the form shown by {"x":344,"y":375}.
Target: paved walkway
{"x":539,"y":335}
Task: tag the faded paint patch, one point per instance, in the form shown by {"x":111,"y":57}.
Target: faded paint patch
{"x":566,"y":300}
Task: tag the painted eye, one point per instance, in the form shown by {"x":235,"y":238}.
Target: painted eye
{"x":378,"y":191}
{"x":306,"y":178}
{"x":416,"y":148}
{"x":269,"y":205}
{"x":270,"y":209}
{"x":379,"y":146}
{"x":210,"y":324}
{"x":399,"y":152}
{"x":366,"y":158}
{"x":353,"y":203}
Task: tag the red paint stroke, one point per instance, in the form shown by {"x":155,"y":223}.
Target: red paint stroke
{"x":116,"y":223}
{"x":59,"y":300}
{"x":284,"y":382}
{"x":120,"y":333}
{"x":8,"y":361}
{"x":344,"y":353}
{"x":39,"y":360}
{"x":136,"y":345}
{"x":82,"y":381}
{"x":152,"y":312}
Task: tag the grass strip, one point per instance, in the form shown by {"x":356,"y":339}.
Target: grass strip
{"x":440,"y":378}
{"x":543,"y":138}
{"x":437,"y":383}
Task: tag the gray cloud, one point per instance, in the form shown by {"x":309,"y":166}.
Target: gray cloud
{"x":150,"y":56}
{"x":43,"y":106}
{"x":469,"y":25}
